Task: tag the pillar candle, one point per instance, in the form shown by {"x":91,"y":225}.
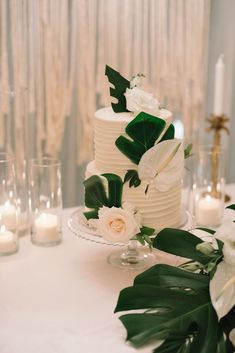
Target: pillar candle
{"x":8,"y":215}
{"x":7,"y":241}
{"x":219,"y":87}
{"x":46,"y":228}
{"x":208,"y":211}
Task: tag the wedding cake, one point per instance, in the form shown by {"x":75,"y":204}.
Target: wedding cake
{"x":134,"y":140}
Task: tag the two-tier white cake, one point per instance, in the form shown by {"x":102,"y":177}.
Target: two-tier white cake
{"x":158,"y":209}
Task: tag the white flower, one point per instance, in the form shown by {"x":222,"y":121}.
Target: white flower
{"x":222,"y":289}
{"x":117,"y":225}
{"x":222,"y":285}
{"x":162,"y":164}
{"x":226,"y":233}
{"x":232,"y":336}
{"x":136,"y":81}
{"x":140,"y":101}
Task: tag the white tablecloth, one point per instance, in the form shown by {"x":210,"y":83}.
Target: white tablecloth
{"x":61,"y":299}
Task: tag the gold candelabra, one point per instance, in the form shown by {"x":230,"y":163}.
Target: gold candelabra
{"x":217,"y":125}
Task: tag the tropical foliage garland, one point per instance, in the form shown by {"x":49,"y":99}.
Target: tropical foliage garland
{"x":181,"y":307}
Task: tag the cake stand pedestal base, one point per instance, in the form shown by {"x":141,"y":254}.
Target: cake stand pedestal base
{"x":133,"y":258}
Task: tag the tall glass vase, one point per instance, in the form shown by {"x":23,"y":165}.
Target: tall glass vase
{"x":208,"y":188}
{"x":8,"y":206}
{"x":15,"y":140}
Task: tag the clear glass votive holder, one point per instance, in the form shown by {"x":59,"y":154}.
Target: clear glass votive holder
{"x":8,"y":206}
{"x":15,"y":139}
{"x":46,"y":201}
{"x":22,"y":187}
{"x":209,"y":187}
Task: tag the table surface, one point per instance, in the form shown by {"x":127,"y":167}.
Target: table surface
{"x":61,"y":299}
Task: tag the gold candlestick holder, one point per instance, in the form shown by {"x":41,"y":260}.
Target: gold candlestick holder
{"x":217,"y":125}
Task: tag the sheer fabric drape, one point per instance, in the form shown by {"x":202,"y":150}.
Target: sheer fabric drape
{"x":58,"y":49}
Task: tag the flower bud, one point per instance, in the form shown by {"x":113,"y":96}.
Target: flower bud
{"x":205,"y":248}
{"x":192,"y":267}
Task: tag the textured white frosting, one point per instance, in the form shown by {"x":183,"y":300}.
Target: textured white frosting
{"x":158,"y":209}
{"x":108,"y":127}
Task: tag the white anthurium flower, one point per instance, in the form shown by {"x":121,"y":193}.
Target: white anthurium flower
{"x":232,"y":336}
{"x":117,"y":225}
{"x":222,"y":285}
{"x":222,"y":289}
{"x":137,"y":100}
{"x":163,"y":164}
{"x":226,"y":233}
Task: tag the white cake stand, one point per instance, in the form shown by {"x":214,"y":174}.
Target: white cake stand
{"x":132,"y":255}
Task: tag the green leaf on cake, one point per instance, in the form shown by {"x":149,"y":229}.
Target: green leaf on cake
{"x":176,"y":311}
{"x":188,"y":150}
{"x":96,"y":195}
{"x":132,"y":177}
{"x":169,"y":134}
{"x":143,"y":131}
{"x":231,"y":207}
{"x":120,"y":84}
{"x":115,"y":186}
{"x":91,"y":214}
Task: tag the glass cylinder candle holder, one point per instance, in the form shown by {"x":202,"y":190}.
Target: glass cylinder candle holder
{"x":46,"y":201}
{"x":208,"y":188}
{"x":15,"y":139}
{"x":8,"y":206}
{"x":22,"y":187}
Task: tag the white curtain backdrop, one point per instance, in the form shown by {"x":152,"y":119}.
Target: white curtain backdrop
{"x":58,"y":49}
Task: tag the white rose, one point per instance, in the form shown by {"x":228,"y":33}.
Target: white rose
{"x":136,"y":81}
{"x":226,"y":233}
{"x":138,"y":100}
{"x":117,"y":225}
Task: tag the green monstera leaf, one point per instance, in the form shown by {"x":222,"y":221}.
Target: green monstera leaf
{"x":175,"y":310}
{"x":120,"y":84}
{"x":95,"y":193}
{"x":171,"y":308}
{"x":132,"y":177}
{"x":182,"y":243}
{"x":143,"y":131}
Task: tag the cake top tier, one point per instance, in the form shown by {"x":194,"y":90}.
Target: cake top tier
{"x":128,"y":95}
{"x":107,"y":114}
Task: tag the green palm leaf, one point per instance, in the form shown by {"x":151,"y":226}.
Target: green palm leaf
{"x":120,"y":84}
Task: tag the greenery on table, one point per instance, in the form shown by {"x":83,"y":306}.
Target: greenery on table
{"x":172,"y":306}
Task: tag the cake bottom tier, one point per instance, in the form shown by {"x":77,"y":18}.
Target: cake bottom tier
{"x":158,"y":209}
